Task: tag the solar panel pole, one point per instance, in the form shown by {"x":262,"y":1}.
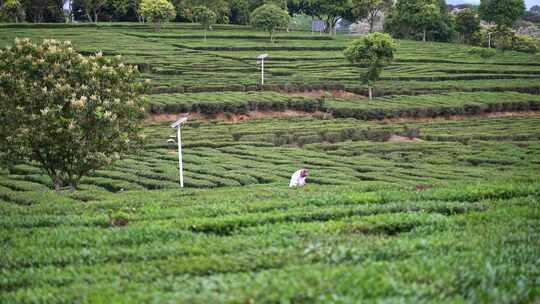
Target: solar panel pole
{"x":178,"y":126}
{"x":180,"y":165}
{"x":262,"y":71}
{"x":261,"y":58}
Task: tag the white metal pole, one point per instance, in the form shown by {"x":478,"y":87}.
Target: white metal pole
{"x":180,"y":166}
{"x":262,"y":71}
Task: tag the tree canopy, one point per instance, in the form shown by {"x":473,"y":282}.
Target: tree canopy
{"x":370,"y":10}
{"x":420,"y":19}
{"x":157,"y":11}
{"x":501,"y":12}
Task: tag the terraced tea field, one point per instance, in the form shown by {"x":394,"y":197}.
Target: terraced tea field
{"x":428,"y":193}
{"x":178,"y":59}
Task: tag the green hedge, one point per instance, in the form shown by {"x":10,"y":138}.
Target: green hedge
{"x":435,"y":111}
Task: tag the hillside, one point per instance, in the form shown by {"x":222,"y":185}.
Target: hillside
{"x":428,"y":193}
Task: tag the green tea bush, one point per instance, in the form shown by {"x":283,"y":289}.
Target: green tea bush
{"x":482,"y":52}
{"x":525,"y":43}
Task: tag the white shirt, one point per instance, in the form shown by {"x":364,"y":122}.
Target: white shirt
{"x":297,"y":180}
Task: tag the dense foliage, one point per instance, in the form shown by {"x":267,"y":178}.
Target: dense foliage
{"x":71,"y":114}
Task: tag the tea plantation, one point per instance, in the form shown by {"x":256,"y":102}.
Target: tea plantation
{"x":430,"y":193}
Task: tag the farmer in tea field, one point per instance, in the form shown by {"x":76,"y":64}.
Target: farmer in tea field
{"x":298,"y":179}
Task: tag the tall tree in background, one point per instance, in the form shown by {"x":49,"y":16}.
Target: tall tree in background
{"x":415,"y":17}
{"x":11,"y":11}
{"x":467,"y":23}
{"x":328,"y":10}
{"x":269,"y":18}
{"x":157,"y":11}
{"x":239,"y":10}
{"x":92,"y":8}
{"x":205,"y":17}
{"x":370,"y":10}
{"x":35,"y":9}
{"x":184,"y":9}
{"x":502,"y":12}
{"x":123,"y":10}
{"x":56,"y":11}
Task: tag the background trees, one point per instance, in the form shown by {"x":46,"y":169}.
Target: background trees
{"x":71,"y":114}
{"x":92,"y":8}
{"x":12,"y":11}
{"x":157,"y":11}
{"x":328,"y":10}
{"x":375,"y":50}
{"x":269,"y":18}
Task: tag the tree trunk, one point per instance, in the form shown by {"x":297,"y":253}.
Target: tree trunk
{"x":57,"y":182}
{"x":424,"y":38}
{"x":158,"y":26}
{"x":372,"y":18}
{"x":95,"y":17}
{"x":271,"y":36}
{"x":204,"y":35}
{"x":370,"y":90}
{"x":89,"y":17}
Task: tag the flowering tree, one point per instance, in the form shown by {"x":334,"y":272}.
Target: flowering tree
{"x":157,"y":11}
{"x":70,"y":113}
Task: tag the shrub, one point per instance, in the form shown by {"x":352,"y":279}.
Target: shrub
{"x":525,"y":43}
{"x":411,"y":132}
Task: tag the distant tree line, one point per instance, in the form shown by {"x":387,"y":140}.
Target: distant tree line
{"x":414,"y":19}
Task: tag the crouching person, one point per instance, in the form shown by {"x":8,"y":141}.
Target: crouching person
{"x":298,"y":179}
